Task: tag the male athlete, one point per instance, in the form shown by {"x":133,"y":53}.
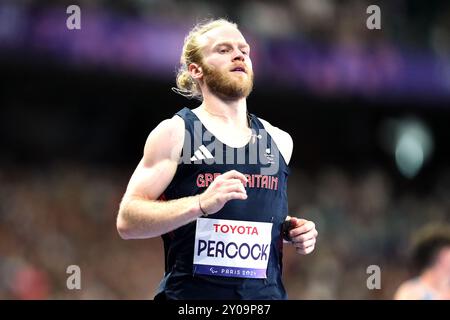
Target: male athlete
{"x":212,"y":182}
{"x":431,"y":260}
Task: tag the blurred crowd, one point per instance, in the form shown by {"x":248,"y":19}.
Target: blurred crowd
{"x":414,"y":23}
{"x":364,"y":219}
{"x":51,"y":218}
{"x":323,"y":46}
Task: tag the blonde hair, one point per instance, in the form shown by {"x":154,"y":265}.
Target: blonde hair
{"x":186,"y":85}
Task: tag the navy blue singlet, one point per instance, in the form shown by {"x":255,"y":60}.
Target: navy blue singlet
{"x":267,"y":202}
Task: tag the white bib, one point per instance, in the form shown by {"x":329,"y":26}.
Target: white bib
{"x":232,"y":248}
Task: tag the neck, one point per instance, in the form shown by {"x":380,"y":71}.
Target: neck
{"x":229,"y":111}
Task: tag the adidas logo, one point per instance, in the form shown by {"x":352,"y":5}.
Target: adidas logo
{"x":202,"y":153}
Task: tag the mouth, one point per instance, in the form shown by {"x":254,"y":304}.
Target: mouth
{"x":239,"y":69}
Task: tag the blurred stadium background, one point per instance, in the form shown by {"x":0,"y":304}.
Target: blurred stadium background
{"x":369,"y":112}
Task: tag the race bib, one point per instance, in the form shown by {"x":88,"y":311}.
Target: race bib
{"x":231,"y":248}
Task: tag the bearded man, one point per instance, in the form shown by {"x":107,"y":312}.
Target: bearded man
{"x":213,"y":181}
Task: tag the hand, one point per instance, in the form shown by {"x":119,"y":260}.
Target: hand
{"x":303,"y":235}
{"x":224,"y":188}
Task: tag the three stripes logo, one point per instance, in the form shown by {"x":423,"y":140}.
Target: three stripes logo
{"x":202,"y":153}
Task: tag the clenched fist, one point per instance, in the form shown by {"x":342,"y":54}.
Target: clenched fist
{"x":224,"y":188}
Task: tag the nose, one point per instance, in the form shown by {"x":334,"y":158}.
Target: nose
{"x":238,"y":55}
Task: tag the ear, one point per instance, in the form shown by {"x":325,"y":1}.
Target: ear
{"x":195,"y":70}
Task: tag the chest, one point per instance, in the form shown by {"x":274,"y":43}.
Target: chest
{"x":233,"y":134}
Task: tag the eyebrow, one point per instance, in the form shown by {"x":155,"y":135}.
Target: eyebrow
{"x":227,"y":43}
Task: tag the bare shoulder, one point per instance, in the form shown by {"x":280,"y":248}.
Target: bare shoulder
{"x":409,"y":290}
{"x":165,"y":141}
{"x":282,"y":139}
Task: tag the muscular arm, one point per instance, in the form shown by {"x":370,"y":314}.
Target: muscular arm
{"x":141,"y":215}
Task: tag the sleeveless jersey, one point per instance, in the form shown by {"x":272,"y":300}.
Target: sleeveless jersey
{"x":203,"y":158}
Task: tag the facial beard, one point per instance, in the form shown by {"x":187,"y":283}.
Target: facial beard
{"x":227,"y":86}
